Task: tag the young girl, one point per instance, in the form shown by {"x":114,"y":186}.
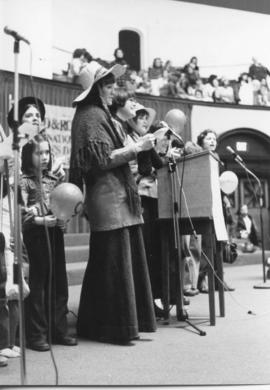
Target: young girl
{"x":36,"y":214}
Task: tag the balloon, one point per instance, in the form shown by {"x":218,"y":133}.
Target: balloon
{"x":228,"y":182}
{"x":176,"y":119}
{"x":66,"y":201}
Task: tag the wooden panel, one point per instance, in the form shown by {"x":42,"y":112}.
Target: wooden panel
{"x":200,"y":197}
{"x":196,"y":186}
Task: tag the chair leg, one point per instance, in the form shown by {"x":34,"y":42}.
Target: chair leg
{"x":165,"y":273}
{"x":219,"y":263}
{"x":211,"y":281}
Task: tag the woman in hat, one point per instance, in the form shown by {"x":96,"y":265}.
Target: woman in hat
{"x":145,"y":173}
{"x":116,"y":300}
{"x":30,"y":110}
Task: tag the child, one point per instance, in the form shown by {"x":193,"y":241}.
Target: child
{"x":36,"y":214}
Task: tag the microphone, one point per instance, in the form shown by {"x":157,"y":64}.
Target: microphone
{"x":172,"y":132}
{"x":15,"y":35}
{"x":218,"y":159}
{"x":234,"y":154}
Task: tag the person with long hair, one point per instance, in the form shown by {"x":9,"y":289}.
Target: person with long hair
{"x":116,"y":300}
{"x":155,"y":74}
{"x":37,"y":182}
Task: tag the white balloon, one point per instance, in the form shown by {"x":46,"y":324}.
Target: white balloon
{"x":228,"y":182}
{"x":66,"y":201}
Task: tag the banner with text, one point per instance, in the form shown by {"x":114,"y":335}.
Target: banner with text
{"x":58,"y":127}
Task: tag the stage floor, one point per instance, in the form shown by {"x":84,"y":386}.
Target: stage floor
{"x":234,"y":352}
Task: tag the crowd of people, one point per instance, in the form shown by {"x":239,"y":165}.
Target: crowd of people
{"x":165,"y":79}
{"x":114,"y":160}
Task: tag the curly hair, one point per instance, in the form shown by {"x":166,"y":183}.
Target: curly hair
{"x":202,"y":136}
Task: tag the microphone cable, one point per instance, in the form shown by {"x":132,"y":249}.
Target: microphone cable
{"x":180,"y":182}
{"x":250,"y":312}
{"x":253,"y":189}
{"x":49,"y":247}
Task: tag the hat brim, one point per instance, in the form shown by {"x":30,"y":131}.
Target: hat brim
{"x":25,"y":101}
{"x":117,"y":70}
{"x":152,"y":114}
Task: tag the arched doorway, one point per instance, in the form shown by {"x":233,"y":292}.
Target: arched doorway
{"x":253,"y":146}
{"x":129,"y":42}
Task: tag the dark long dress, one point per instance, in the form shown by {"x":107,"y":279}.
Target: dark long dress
{"x":116,"y":300}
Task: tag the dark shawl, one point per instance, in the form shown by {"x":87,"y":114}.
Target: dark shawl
{"x":93,"y":138}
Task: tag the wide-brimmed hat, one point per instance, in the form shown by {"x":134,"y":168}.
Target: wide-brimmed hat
{"x":150,"y":111}
{"x":22,"y":104}
{"x":94,"y":72}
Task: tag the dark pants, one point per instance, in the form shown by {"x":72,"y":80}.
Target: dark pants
{"x":9,"y":323}
{"x":9,"y":315}
{"x":4,"y":324}
{"x":40,"y":299}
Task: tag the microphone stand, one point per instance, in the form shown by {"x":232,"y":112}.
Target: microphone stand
{"x":171,"y":132}
{"x":18,"y":274}
{"x":181,"y":313}
{"x":243,"y":165}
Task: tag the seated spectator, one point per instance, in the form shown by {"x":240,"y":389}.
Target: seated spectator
{"x":258,"y":71}
{"x":191,"y":89}
{"x":264,"y":90}
{"x":210,"y":86}
{"x":246,"y":90}
{"x":156,"y":76}
{"x":192,"y":68}
{"x":199,"y":90}
{"x":226,"y":93}
{"x":132,"y":80}
{"x":258,"y":99}
{"x":198,"y":94}
{"x":246,"y":227}
{"x":80,"y":59}
{"x":143,"y":84}
{"x":191,"y":73}
{"x":235,"y":87}
{"x":168,"y":68}
{"x":119,"y":57}
{"x":182,"y":86}
{"x":217,"y":93}
{"x":170,"y":88}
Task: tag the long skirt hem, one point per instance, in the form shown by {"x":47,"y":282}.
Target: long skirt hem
{"x":116,"y":299}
